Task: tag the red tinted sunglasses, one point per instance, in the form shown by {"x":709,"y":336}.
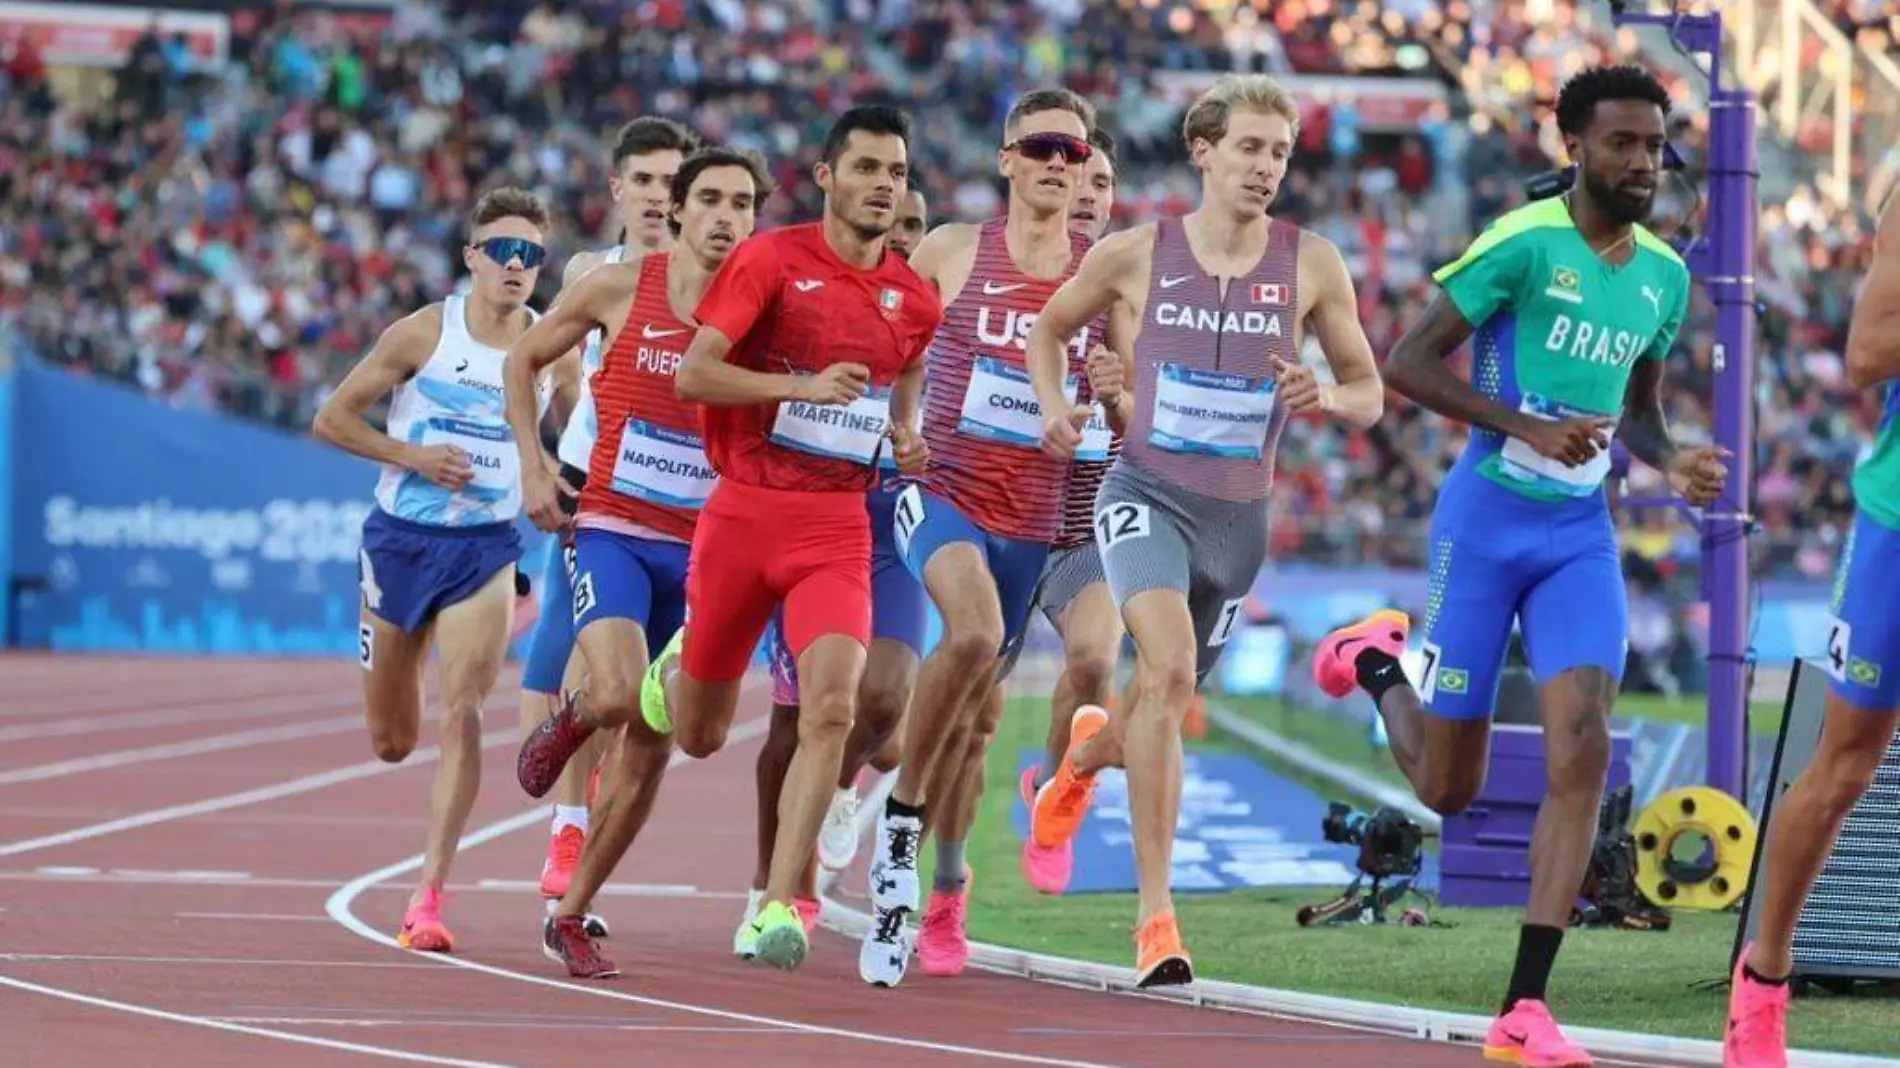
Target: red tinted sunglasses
{"x":1042,"y":147}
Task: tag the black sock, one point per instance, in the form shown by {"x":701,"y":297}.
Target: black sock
{"x":894,"y":807}
{"x":1536,"y":952}
{"x":1758,"y":977}
{"x":1379,"y":671}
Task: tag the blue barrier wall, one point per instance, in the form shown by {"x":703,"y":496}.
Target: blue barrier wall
{"x":6,"y":499}
{"x":140,"y":527}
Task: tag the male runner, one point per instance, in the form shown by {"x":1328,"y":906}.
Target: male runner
{"x":808,"y":363}
{"x":648,"y":477}
{"x":890,"y":670}
{"x":1863,"y":657}
{"x":1222,"y":296}
{"x":439,"y":550}
{"x":646,"y":154}
{"x":976,"y":529}
{"x":1575,"y":306}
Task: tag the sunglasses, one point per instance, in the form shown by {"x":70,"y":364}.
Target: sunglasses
{"x":503,"y":249}
{"x":1042,"y":147}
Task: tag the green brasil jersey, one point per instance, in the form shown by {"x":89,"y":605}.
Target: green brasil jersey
{"x":1877,"y":478}
{"x":1555,"y":333}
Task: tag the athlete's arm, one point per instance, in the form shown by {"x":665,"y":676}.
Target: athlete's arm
{"x":1359,"y":396}
{"x":1110,"y":375}
{"x":1102,"y":280}
{"x":567,"y":370}
{"x":1873,"y":334}
{"x":397,"y":355}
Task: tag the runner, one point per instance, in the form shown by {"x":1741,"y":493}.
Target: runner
{"x":913,"y":220}
{"x":890,"y":670}
{"x":1575,"y":306}
{"x":646,"y":154}
{"x":1223,"y":296}
{"x":439,"y":550}
{"x":648,"y":478}
{"x":808,"y":361}
{"x":1863,"y":658}
{"x":976,"y":529}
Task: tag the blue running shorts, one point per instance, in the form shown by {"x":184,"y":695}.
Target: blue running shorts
{"x":617,"y":576}
{"x":553,"y":639}
{"x":1015,"y":564}
{"x":1863,"y":637}
{"x":409,"y":572}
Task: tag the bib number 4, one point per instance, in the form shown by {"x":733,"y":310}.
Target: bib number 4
{"x":1840,"y":635}
{"x":1120,"y":522}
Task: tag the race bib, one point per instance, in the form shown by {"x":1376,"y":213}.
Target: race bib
{"x":490,"y":449}
{"x":1001,"y":405}
{"x":1523,"y":463}
{"x":662,"y":466}
{"x":853,"y":432}
{"x":1211,"y":413}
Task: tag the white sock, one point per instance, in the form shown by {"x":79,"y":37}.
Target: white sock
{"x":570,"y":816}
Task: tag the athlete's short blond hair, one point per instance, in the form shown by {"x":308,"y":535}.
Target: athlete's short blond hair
{"x":1254,"y":94}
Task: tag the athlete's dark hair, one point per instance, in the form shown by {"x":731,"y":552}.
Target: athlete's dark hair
{"x":650,"y":133}
{"x":718,"y":156}
{"x":869,"y":118}
{"x":1577,"y":101}
{"x":1040,"y":100}
{"x":1104,"y":142}
{"x":508,"y":202}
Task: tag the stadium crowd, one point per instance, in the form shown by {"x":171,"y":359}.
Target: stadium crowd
{"x":234,"y":238}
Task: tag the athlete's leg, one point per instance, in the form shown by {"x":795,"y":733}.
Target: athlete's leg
{"x":775,"y":757}
{"x":472,"y":640}
{"x":890,"y":671}
{"x":1863,"y":710}
{"x":552,"y":668}
{"x":1091,"y":631}
{"x":392,"y":661}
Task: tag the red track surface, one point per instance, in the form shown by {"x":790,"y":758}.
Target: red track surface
{"x":184,"y":846}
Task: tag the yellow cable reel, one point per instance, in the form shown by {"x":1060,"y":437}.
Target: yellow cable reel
{"x":1694,"y":846}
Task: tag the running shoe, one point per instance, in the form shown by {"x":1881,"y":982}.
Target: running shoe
{"x":1528,"y":1035}
{"x":1160,"y":959}
{"x":1757,"y":1035}
{"x":893,"y":873}
{"x":564,"y":939}
{"x":808,"y":910}
{"x":1047,"y":868}
{"x":838,"y":836}
{"x":1334,"y":668}
{"x":422,"y":926}
{"x":745,"y":939}
{"x":943,"y":946}
{"x":564,"y":855}
{"x":885,"y":953}
{"x":545,"y":753}
{"x":779,"y":937}
{"x":1064,"y":799}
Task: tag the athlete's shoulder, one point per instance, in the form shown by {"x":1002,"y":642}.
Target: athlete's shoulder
{"x":580,"y":264}
{"x":1665,"y":254}
{"x":945,"y":244}
{"x":1510,"y":235}
{"x":1124,"y":250}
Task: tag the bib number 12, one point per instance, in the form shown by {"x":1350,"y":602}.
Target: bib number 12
{"x":1119,"y":522}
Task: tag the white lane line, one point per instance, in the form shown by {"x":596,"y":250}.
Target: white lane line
{"x":216,"y":743}
{"x":257,"y":708}
{"x":340,"y":910}
{"x":247,"y":1029}
{"x":520,"y":1025}
{"x":197,"y":962}
{"x":253,"y":917}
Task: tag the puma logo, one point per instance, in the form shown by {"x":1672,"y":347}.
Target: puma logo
{"x":1654,"y":298}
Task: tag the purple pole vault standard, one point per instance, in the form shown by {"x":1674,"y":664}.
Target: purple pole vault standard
{"x":1724,"y":262}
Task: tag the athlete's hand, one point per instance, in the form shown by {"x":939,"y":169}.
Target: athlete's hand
{"x":1699,"y":473}
{"x":908,"y":450}
{"x":1300,"y":389}
{"x":1568,"y":441}
{"x":1062,"y":432}
{"x":841,"y":383}
{"x":444,"y":465}
{"x":545,"y":496}
{"x":1105,"y":375}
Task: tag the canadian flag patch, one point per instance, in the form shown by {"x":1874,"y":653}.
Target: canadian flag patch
{"x":1269,"y":293}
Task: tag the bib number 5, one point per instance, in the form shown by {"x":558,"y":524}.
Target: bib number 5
{"x":1120,"y":522}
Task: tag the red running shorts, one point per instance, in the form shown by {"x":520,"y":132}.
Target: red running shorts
{"x":754,"y":548}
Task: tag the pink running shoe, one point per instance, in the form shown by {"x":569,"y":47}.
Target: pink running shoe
{"x":1333,"y":668}
{"x":1046,"y":868}
{"x":807,"y":910}
{"x":422,"y":926}
{"x":564,"y":855}
{"x":942,"y":946}
{"x":1527,"y":1035}
{"x":1757,"y":1035}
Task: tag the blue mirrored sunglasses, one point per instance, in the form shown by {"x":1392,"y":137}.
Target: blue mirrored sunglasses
{"x":503,"y":249}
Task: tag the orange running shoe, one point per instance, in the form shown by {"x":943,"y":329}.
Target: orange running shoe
{"x":1064,"y":799}
{"x":1159,"y":958}
{"x":564,"y":855}
{"x":422,"y":926}
{"x":1334,"y":670}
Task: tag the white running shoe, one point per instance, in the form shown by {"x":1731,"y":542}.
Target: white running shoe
{"x":745,"y":939}
{"x":885,"y":954}
{"x":893,"y":875}
{"x":838,"y":837}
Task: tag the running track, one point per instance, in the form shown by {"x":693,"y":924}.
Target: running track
{"x":200,"y":863}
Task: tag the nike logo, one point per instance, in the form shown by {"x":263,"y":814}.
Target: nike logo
{"x":807,"y":285}
{"x":653,"y":335}
{"x":991,"y":289}
{"x":1170,"y":283}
